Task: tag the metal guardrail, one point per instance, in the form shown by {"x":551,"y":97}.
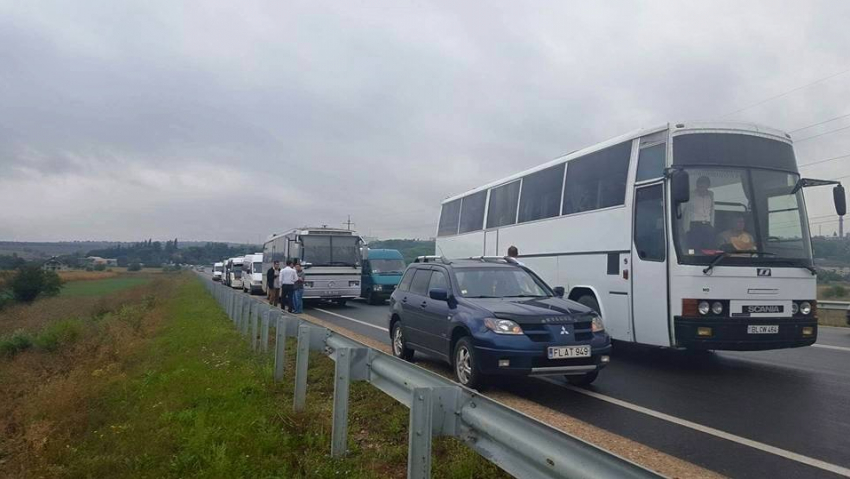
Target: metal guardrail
{"x":519,"y":444}
{"x":834,"y":305}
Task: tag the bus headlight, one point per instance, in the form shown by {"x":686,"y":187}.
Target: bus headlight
{"x":352,"y":284}
{"x":502,"y":326}
{"x":717,"y":307}
{"x":794,"y":308}
{"x":703,"y":307}
{"x":597,"y":326}
{"x":805,"y":307}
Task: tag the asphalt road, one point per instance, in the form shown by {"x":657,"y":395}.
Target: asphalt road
{"x":767,"y":414}
{"x":764,"y":414}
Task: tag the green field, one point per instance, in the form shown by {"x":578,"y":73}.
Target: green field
{"x":100,"y":287}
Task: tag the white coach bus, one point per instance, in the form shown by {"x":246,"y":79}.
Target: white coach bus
{"x":330,"y":257}
{"x":687,"y":235}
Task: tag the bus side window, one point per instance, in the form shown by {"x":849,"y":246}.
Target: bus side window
{"x":651,"y":162}
{"x":649,"y":223}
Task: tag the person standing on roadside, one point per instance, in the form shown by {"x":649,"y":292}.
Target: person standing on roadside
{"x":272,"y":283}
{"x":287,"y":284}
{"x":513,"y":252}
{"x":298,"y":291}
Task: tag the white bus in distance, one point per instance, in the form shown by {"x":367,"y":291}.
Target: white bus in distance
{"x":252,"y":273}
{"x":234,"y":272}
{"x":218,"y":270}
{"x":686,"y":235}
{"x":330,"y":258}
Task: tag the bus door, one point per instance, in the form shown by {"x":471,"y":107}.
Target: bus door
{"x":491,"y":243}
{"x":650,"y":319}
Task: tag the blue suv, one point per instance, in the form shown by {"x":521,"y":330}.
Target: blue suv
{"x":493,"y":316}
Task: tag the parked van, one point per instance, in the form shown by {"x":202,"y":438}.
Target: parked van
{"x":234,"y":279}
{"x":382,"y":270}
{"x":252,"y":273}
{"x":218,"y":269}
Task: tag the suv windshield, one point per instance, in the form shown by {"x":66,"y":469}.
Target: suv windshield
{"x":749,"y":213}
{"x":387,"y":265}
{"x":499,"y":283}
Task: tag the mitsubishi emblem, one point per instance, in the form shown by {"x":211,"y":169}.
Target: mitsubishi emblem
{"x":564,"y":330}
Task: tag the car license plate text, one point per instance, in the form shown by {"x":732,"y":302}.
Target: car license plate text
{"x":763,"y":329}
{"x":564,"y":352}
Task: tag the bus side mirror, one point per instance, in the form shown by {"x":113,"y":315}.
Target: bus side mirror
{"x":840,"y":200}
{"x":680,"y":185}
{"x":559,"y":291}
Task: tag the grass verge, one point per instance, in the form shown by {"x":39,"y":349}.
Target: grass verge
{"x":185,"y":397}
{"x":100,"y":287}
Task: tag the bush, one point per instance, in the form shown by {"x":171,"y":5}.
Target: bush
{"x":30,"y":282}
{"x":134,"y":267}
{"x":6,"y":298}
{"x":14,"y":344}
{"x":57,"y":334}
{"x":836,"y":291}
{"x":99,"y":267}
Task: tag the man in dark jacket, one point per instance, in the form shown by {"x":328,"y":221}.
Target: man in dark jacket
{"x":272,"y":285}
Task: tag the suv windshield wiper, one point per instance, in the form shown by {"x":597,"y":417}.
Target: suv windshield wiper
{"x":482,"y":296}
{"x":529,"y":296}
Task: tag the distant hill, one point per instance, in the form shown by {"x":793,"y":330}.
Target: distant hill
{"x":44,"y":250}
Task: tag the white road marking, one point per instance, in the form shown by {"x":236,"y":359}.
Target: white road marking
{"x":826,"y":346}
{"x":809,"y":461}
{"x":364,"y":323}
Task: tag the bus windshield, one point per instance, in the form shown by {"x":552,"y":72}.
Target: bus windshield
{"x":321,"y":250}
{"x":749,"y":213}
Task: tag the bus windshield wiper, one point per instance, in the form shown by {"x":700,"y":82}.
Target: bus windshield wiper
{"x":717,"y":258}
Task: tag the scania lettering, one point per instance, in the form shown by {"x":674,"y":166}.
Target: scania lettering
{"x":330,"y":257}
{"x":687,"y":235}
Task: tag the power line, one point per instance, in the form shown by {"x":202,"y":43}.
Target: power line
{"x":804,"y":165}
{"x":762,"y":102}
{"x":821,"y":134}
{"x":820,"y":123}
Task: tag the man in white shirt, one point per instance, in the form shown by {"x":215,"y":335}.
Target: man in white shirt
{"x":700,"y":215}
{"x":288,"y":277}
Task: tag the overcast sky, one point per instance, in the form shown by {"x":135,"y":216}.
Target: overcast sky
{"x":222,"y":120}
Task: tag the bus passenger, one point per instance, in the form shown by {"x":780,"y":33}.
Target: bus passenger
{"x":738,"y":237}
{"x":700,"y":214}
{"x":272,"y":283}
{"x":288,"y":276}
{"x":298,"y":291}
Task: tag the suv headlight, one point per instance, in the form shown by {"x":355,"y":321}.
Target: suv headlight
{"x":502,"y":326}
{"x":597,"y":326}
{"x":377,"y":287}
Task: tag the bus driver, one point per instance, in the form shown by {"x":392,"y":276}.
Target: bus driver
{"x":737,"y":236}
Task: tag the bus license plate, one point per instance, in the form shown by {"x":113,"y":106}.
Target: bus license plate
{"x":330,"y":294}
{"x":763,"y":329}
{"x":564,"y":352}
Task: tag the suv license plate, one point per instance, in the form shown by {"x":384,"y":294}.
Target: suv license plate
{"x":564,"y":352}
{"x":763,"y":329}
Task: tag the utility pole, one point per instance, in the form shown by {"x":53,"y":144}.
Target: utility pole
{"x":348,"y":223}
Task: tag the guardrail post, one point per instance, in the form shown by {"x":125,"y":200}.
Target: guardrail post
{"x":301,"y":359}
{"x":255,"y":325}
{"x":264,"y":331}
{"x":279,"y":348}
{"x":246,"y":321}
{"x":237,"y":318}
{"x":230,"y":303}
{"x":419,"y":435}
{"x":342,"y":381}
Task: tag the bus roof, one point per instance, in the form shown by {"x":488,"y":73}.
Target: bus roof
{"x":317,"y":230}
{"x":678,"y":128}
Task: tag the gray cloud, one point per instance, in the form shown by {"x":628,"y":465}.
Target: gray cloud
{"x":214,"y":120}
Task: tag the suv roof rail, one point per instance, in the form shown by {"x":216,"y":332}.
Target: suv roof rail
{"x":431,"y":259}
{"x":493,"y":259}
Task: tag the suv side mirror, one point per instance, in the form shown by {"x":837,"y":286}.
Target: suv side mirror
{"x":438,"y":294}
{"x":559,"y":291}
{"x":840,"y":200}
{"x":680,"y":186}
